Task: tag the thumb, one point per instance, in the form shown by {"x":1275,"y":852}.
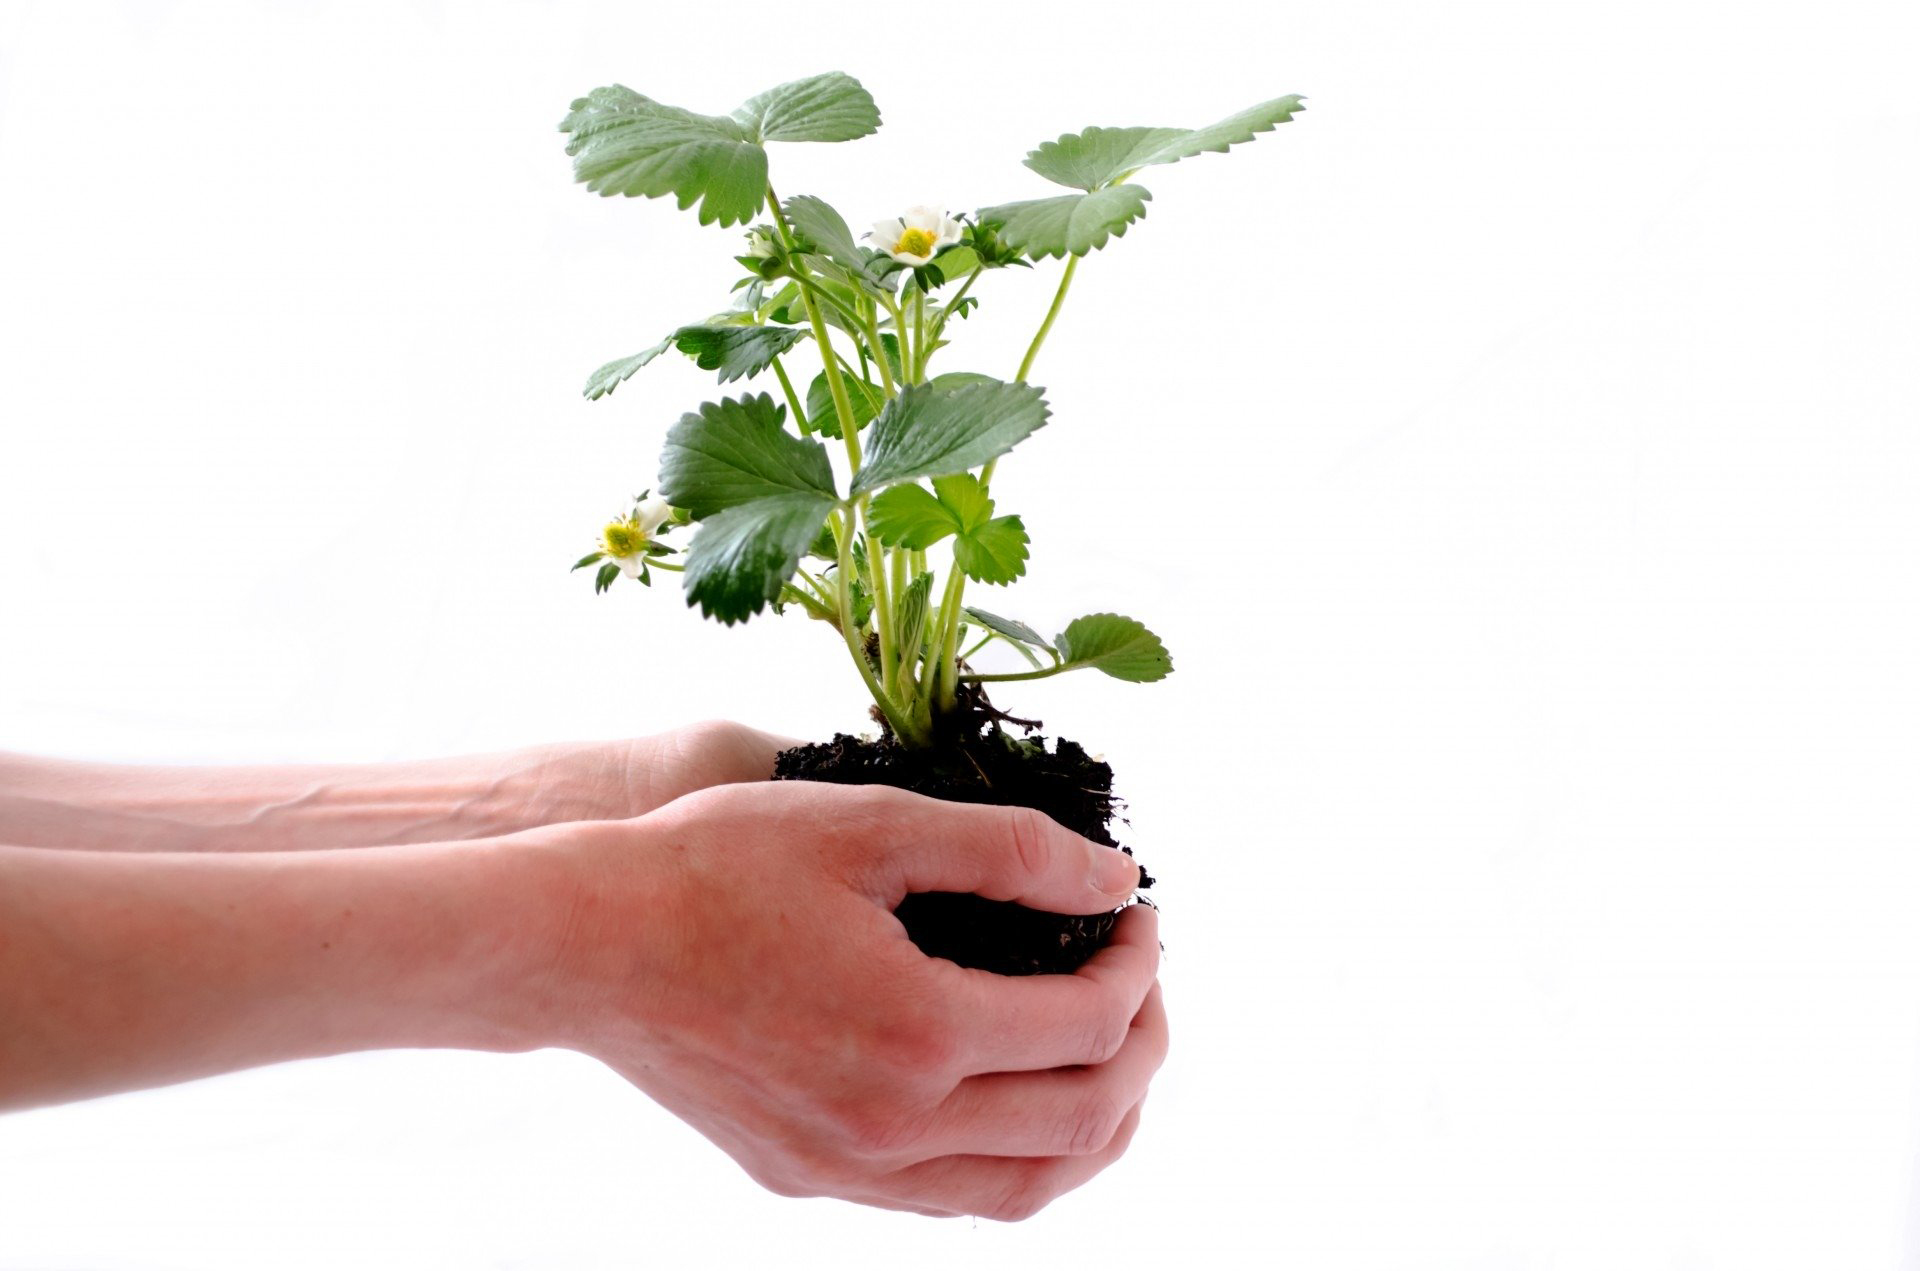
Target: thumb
{"x":1001,"y":853}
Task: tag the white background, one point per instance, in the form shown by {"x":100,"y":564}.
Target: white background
{"x":1517,"y":451}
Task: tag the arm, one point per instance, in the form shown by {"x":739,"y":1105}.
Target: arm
{"x":733,"y":954}
{"x":57,"y":803}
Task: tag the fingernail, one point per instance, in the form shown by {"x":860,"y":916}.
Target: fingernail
{"x":1114,"y":871}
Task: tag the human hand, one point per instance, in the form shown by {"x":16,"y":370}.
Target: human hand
{"x":735,"y":956}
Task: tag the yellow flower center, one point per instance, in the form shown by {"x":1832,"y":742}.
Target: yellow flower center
{"x":915,"y":242}
{"x":623,"y":538}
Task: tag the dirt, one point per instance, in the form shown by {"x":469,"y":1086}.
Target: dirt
{"x":978,"y":761}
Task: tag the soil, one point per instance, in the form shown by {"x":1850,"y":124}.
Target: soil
{"x":978,"y":761}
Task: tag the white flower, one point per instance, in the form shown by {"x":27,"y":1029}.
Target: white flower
{"x":913,"y":238}
{"x":759,"y":243}
{"x":625,"y":542}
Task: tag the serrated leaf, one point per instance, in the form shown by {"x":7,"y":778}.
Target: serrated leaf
{"x":614,"y":374}
{"x":1016,"y":631}
{"x":909,"y":516}
{"x":830,"y":107}
{"x":995,"y":552}
{"x":865,"y":399}
{"x":1068,"y":224}
{"x":931,"y":431}
{"x":625,"y":143}
{"x":734,"y":452}
{"x":1100,"y":156}
{"x":1116,"y":644}
{"x":816,"y":220}
{"x":968,"y":500}
{"x":743,"y":555}
{"x":736,"y":352}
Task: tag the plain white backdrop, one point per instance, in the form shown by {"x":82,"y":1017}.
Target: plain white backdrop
{"x":1518,"y":452}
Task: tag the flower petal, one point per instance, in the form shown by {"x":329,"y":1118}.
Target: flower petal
{"x":924,"y":217}
{"x":887,"y":233}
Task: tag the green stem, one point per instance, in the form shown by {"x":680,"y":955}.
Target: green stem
{"x":880,"y":355}
{"x":793,"y":400}
{"x":1039,"y":338}
{"x":946,"y":310}
{"x":1009,"y":676}
{"x":985,"y":640}
{"x":843,"y":532}
{"x":941,"y":681}
{"x":920,"y":340}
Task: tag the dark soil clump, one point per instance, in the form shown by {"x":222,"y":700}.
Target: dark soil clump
{"x":978,"y":762}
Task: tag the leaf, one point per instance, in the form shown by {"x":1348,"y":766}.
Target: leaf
{"x":625,"y":143}
{"x":587,"y":560}
{"x":613,"y":374}
{"x":830,"y":107}
{"x":909,"y":516}
{"x":1116,"y":644}
{"x":827,"y":230}
{"x":966,"y":499}
{"x":910,"y":624}
{"x":736,"y":352}
{"x":995,"y":552}
{"x":1019,"y":632}
{"x":743,"y":555}
{"x":735,"y":451}
{"x":930,"y":430}
{"x":604,"y":579}
{"x":1099,"y":157}
{"x":865,"y":399}
{"x":1072,"y":224}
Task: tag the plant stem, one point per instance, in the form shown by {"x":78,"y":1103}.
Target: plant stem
{"x":946,"y":310}
{"x":843,"y":532}
{"x":1033,"y":350}
{"x":793,"y":400}
{"x":1008,"y":676}
{"x":880,"y":355}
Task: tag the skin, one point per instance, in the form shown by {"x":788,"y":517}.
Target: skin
{"x":728,"y":947}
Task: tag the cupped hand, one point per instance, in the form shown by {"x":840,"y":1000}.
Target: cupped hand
{"x":735,"y":955}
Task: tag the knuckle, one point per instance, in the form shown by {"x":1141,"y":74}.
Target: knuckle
{"x":1030,"y":833}
{"x":925,"y":1043}
{"x":1105,"y":1035}
{"x":1026,"y":1195}
{"x":1094,"y":1123}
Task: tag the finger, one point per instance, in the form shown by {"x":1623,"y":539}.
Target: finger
{"x":1033,"y":1022}
{"x":918,"y":844}
{"x":1062,"y":1112}
{"x":1004,"y":1188}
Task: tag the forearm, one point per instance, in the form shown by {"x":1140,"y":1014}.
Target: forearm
{"x":119,"y":972}
{"x":56,"y":803}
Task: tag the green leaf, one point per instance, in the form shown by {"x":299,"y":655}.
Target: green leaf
{"x":968,"y":501}
{"x":743,"y":555}
{"x":1101,"y":156}
{"x":587,"y":560}
{"x":613,"y":374}
{"x":865,"y":399}
{"x":735,"y":351}
{"x":626,"y":143}
{"x":909,"y":516}
{"x":816,"y":221}
{"x":735,"y":451}
{"x":1019,"y":632}
{"x":930,"y":430}
{"x":1118,"y":645}
{"x":830,"y":107}
{"x":1072,"y":224}
{"x":995,"y":552}
{"x":604,"y":579}
{"x":910,"y":624}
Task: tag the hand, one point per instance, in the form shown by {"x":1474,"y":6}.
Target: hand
{"x":737,"y":959}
